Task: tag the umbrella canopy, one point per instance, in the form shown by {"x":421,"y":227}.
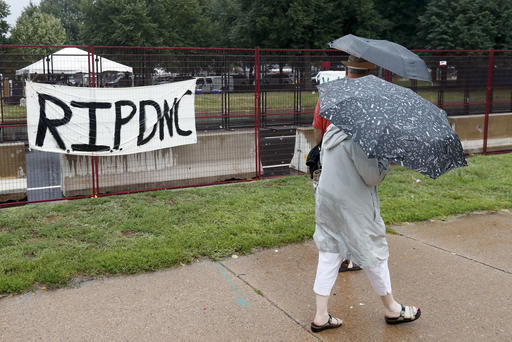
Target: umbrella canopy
{"x":71,"y":61}
{"x":394,"y":123}
{"x":389,"y":55}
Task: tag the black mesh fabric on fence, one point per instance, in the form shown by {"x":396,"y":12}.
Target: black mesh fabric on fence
{"x":253,"y":112}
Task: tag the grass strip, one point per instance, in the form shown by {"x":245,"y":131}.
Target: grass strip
{"x":50,"y":244}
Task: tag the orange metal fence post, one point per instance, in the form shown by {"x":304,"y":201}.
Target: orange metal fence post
{"x":257,"y":110}
{"x":488,"y":98}
{"x":90,"y":66}
{"x":389,"y":76}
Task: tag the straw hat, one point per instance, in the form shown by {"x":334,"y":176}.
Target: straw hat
{"x":358,"y":63}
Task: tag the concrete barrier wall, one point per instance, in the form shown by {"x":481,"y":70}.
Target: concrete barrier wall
{"x":13,"y":181}
{"x":469,"y":128}
{"x":12,"y":157}
{"x":6,"y":89}
{"x":304,"y":142}
{"x":216,"y":157}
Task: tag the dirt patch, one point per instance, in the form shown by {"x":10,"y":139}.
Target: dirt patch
{"x":129,"y":234}
{"x":51,"y":219}
{"x":35,"y":239}
{"x":31,"y":255}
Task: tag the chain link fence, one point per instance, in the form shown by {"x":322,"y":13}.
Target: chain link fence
{"x":254,"y":109}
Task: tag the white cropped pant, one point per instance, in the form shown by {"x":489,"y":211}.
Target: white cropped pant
{"x":327,"y":272}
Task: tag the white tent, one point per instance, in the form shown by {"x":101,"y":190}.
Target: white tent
{"x":72,"y":61}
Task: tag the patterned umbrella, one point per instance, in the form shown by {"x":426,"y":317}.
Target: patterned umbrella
{"x":394,"y":123}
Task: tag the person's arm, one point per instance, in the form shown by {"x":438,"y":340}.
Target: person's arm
{"x":319,"y":134}
{"x":372,"y":171}
{"x":317,"y":124}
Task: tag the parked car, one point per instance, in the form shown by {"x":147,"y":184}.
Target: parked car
{"x":328,"y":75}
{"x":242,"y":83}
{"x":214,"y":84}
{"x":122,"y":79}
{"x":276,"y":81}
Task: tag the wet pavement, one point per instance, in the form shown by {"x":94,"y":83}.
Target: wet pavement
{"x":459,"y":272}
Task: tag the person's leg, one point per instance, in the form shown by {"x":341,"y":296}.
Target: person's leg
{"x":326,"y":274}
{"x":381,"y":283}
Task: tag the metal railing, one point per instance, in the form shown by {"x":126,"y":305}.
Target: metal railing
{"x":248,"y":104}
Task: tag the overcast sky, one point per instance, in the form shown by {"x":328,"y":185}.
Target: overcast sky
{"x":16,"y":7}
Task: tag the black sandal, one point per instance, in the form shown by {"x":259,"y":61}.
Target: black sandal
{"x":345,"y":266}
{"x":328,"y":325}
{"x":402,"y":319}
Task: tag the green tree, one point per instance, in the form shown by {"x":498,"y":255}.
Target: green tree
{"x":34,"y":27}
{"x":466,"y":24}
{"x":503,"y":39}
{"x":436,"y":26}
{"x":146,"y":23}
{"x":182,"y":22}
{"x":30,"y":10}
{"x":401,"y":18}
{"x":70,"y":13}
{"x":475,"y":24}
{"x":4,"y":27}
{"x":119,"y":22}
{"x":304,"y":23}
{"x":222,"y":15}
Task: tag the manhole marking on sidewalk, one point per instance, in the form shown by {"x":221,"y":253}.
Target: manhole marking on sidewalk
{"x":239,"y":299}
{"x":221,"y":266}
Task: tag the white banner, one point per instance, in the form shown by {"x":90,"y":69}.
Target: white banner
{"x":110,"y":121}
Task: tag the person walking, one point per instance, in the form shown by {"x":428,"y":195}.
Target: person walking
{"x":348,"y":220}
{"x":320,"y":126}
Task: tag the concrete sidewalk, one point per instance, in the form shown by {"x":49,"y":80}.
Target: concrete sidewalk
{"x":458,"y":271}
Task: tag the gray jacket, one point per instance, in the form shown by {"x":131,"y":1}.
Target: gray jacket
{"x":348,"y":218}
